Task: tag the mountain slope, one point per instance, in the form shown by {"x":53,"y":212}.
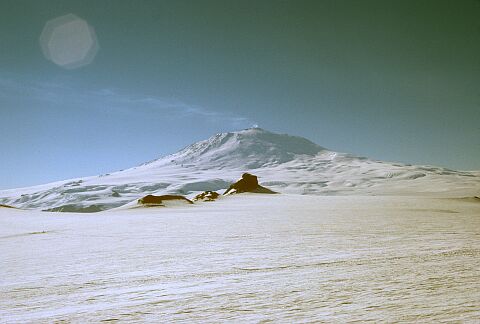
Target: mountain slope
{"x":284,"y":163}
{"x":251,"y":148}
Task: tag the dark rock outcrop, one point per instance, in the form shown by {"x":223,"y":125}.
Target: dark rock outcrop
{"x":158,"y":200}
{"x":248,"y":183}
{"x":7,"y":206}
{"x":206,"y":196}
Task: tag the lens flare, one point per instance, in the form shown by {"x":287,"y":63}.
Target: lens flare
{"x":69,"y":42}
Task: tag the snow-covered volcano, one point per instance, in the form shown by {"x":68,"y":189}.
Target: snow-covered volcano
{"x":248,"y":149}
{"x":284,"y":163}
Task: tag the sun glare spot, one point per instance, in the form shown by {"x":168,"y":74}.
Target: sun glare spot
{"x":69,"y":41}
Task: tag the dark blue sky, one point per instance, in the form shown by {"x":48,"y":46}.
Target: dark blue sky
{"x":392,"y":80}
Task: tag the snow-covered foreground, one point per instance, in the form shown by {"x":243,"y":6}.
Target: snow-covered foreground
{"x":246,"y":258}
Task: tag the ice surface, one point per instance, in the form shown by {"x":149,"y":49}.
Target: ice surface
{"x":247,"y":258}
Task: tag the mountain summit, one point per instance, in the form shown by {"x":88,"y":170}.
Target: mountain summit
{"x":249,"y":149}
{"x":284,"y":163}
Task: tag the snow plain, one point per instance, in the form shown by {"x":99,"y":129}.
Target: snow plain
{"x":246,"y":258}
{"x":348,"y":238}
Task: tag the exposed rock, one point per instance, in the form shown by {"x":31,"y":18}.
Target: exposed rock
{"x":158,"y":200}
{"x":206,"y":196}
{"x":7,"y":206}
{"x":248,"y":183}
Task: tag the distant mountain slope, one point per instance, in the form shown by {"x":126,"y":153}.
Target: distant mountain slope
{"x":251,"y":149}
{"x":284,"y":163}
